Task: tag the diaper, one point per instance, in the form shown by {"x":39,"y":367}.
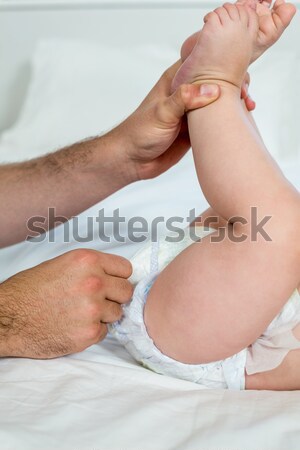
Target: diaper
{"x":264,"y":354}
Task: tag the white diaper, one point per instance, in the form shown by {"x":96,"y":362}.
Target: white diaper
{"x":265,"y":354}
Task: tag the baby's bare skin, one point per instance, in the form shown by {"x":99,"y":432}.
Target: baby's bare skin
{"x":272,"y":23}
{"x":231,"y":27}
{"x":219,"y":298}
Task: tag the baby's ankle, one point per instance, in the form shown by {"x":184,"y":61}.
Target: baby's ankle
{"x":219,"y":77}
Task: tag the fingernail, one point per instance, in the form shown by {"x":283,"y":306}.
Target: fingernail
{"x":209,"y":90}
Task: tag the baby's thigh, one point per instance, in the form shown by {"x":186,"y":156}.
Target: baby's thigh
{"x":203,"y":306}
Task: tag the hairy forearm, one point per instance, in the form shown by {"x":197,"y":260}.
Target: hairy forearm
{"x":8,"y":318}
{"x":69,"y":180}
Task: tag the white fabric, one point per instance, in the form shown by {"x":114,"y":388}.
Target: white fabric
{"x":101,"y":398}
{"x":275,"y":88}
{"x":80,"y":89}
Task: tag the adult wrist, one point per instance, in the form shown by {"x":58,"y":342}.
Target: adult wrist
{"x":120,"y":148}
{"x":102,"y":160}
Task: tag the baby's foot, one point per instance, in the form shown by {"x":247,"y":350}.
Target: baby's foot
{"x":272,"y":23}
{"x":224,"y":48}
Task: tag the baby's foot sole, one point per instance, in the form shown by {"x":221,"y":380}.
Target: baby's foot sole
{"x":213,"y":58}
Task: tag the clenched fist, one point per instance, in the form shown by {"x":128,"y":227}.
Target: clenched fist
{"x":63,"y":305}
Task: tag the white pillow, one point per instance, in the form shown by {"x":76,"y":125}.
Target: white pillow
{"x":80,"y":89}
{"x":274,"y":86}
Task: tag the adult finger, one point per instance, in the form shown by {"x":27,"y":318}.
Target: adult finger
{"x":111,"y":312}
{"x":118,"y":289}
{"x":250,"y":104}
{"x":116,"y":266}
{"x":188,"y":97}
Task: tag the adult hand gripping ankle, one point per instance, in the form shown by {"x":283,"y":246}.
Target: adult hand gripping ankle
{"x":158,"y":128}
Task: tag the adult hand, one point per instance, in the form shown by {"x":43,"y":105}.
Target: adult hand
{"x":63,"y":305}
{"x":157,"y":132}
{"x":250,"y":104}
{"x":156,"y":135}
{"x":187,"y":49}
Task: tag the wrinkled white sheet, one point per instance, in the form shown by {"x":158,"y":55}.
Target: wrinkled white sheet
{"x":102,"y":400}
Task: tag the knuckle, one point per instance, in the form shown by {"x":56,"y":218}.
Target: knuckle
{"x":79,"y":253}
{"x":93,"y":332}
{"x":102,"y":332}
{"x":183,"y":94}
{"x":92,"y":309}
{"x":84,"y":257}
{"x":93,"y":284}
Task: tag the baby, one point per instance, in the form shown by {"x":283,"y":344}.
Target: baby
{"x":225,"y":312}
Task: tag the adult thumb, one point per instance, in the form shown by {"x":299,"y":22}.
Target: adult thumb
{"x":188,"y":97}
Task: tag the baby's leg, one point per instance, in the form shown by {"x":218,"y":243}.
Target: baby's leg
{"x":210,"y":219}
{"x":287,"y":375}
{"x":215,"y":299}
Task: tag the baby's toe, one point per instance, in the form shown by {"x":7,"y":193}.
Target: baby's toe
{"x":223,"y":15}
{"x":283,"y":14}
{"x":232,"y":10}
{"x":212,"y":18}
{"x":244,"y":14}
{"x":252,"y":3}
{"x":253,"y":24}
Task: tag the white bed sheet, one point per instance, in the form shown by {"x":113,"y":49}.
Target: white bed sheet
{"x":101,"y":400}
